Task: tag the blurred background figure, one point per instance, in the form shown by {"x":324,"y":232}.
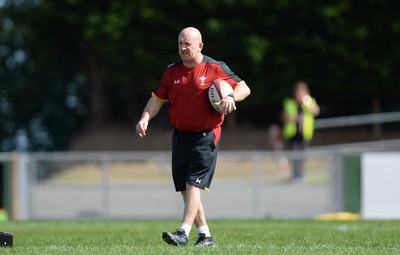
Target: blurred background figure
{"x":298,"y":116}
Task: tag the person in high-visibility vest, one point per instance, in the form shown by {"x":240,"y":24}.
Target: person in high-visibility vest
{"x":298,"y":116}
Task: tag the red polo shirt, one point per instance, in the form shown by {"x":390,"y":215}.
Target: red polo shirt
{"x":186,"y":89}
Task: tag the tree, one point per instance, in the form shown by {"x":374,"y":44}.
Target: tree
{"x":42,"y":92}
{"x":67,"y":64}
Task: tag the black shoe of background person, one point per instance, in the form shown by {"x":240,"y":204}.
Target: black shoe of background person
{"x":6,"y":239}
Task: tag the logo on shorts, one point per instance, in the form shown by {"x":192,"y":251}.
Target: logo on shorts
{"x":198,"y":181}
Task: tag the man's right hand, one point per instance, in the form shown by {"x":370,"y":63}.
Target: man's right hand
{"x":141,"y":128}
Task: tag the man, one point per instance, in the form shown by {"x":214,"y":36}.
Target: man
{"x":197,"y":127}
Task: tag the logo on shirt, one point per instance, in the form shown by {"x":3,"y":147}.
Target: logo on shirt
{"x":177,"y":82}
{"x":202,"y":79}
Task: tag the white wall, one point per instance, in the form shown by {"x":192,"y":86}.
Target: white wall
{"x":380,"y":185}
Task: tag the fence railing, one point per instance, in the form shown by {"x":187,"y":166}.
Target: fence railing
{"x":357,"y":120}
{"x":247,"y":184}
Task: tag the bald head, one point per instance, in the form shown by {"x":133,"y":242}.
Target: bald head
{"x":191,"y":32}
{"x":190,"y":45}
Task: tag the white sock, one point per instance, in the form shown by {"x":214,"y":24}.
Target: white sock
{"x":187,"y":228}
{"x":204,"y":230}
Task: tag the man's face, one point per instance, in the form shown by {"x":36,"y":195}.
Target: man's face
{"x":189,"y":46}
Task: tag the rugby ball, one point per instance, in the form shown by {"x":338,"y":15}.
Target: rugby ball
{"x":218,"y":90}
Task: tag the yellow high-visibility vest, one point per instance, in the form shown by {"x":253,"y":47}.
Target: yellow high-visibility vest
{"x":290,"y":128}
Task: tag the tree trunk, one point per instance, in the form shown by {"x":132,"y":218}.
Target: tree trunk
{"x":99,"y":105}
{"x":230,"y":121}
{"x":376,"y":108}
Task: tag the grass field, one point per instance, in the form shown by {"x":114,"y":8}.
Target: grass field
{"x":232,"y":237}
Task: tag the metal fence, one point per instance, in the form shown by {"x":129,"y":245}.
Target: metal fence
{"x":357,"y":120}
{"x":118,"y":185}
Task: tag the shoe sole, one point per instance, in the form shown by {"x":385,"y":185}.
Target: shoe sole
{"x":205,"y":245}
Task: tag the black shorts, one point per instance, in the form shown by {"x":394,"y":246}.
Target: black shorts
{"x":194,"y":157}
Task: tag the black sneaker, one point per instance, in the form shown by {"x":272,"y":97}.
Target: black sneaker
{"x":204,"y":240}
{"x":175,"y":238}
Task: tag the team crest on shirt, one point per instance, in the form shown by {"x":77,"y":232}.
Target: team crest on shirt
{"x":202,"y":79}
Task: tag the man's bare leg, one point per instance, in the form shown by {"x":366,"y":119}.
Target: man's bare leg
{"x":200,"y":219}
{"x":192,"y":199}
